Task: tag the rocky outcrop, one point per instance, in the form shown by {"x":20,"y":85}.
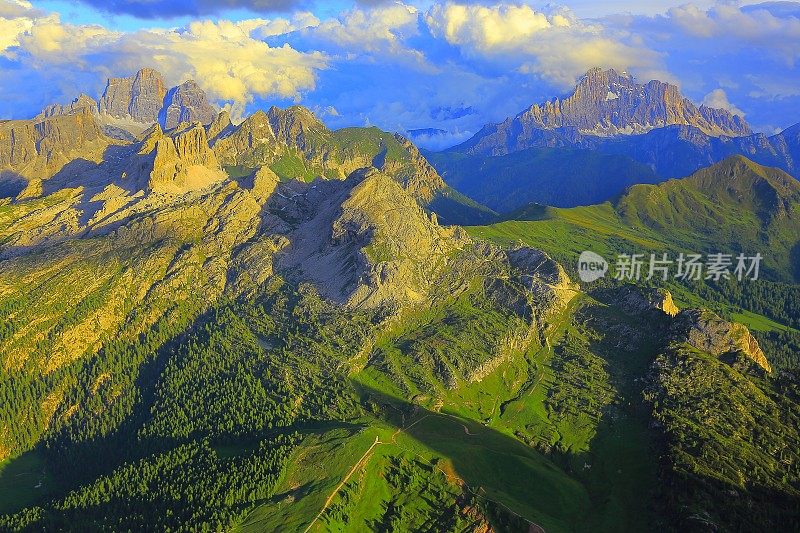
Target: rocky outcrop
{"x":418,"y":176}
{"x":263,"y":183}
{"x":37,"y":150}
{"x":297,"y":127}
{"x":186,"y":103}
{"x":82,"y":102}
{"x":706,"y":331}
{"x":184,"y":161}
{"x":174,"y":162}
{"x":251,"y":144}
{"x":637,"y":300}
{"x":549,"y":285}
{"x":220,"y":127}
{"x":139,"y":97}
{"x":363,"y":242}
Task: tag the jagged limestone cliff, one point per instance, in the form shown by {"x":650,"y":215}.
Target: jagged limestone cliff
{"x":176,"y":161}
{"x":292,"y":142}
{"x":604,"y":103}
{"x":35,"y":150}
{"x":139,"y":97}
{"x":186,"y":103}
{"x":707,"y":332}
{"x":80,"y":103}
{"x":363,"y":241}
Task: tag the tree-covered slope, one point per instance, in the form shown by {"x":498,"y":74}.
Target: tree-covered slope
{"x":559,"y":177}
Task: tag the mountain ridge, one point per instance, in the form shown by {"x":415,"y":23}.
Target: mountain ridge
{"x":293,"y":142}
{"x":669,"y":152}
{"x":735,"y":206}
{"x":605,"y":103}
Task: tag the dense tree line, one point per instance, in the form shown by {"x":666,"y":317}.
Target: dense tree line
{"x":188,"y":488}
{"x":778,"y":301}
{"x":732,"y":441}
{"x":139,"y":451}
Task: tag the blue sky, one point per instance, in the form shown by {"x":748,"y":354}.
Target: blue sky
{"x":445,"y":64}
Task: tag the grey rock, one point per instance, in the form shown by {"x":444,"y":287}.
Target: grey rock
{"x":186,"y":103}
{"x":221,"y":127}
{"x":38,"y":149}
{"x":139,"y":97}
{"x":706,"y":331}
{"x":640,"y":300}
{"x":604,"y":103}
{"x":80,"y":103}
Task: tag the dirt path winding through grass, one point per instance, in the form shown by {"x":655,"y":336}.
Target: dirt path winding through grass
{"x":362,"y":460}
{"x":345,"y":480}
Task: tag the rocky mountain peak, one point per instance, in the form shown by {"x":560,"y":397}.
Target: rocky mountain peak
{"x":220,"y":126}
{"x":607,"y":102}
{"x":191,"y":144}
{"x":139,"y":97}
{"x":295,"y":125}
{"x":175,"y":161}
{"x":258,"y":121}
{"x":597,"y":83}
{"x":423,"y":182}
{"x":604,"y":107}
{"x":250,"y":144}
{"x":38,"y":149}
{"x":363,"y":241}
{"x":186,"y":103}
{"x":149,"y":139}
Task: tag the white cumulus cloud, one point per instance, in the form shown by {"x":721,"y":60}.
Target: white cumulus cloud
{"x":228,"y":59}
{"x":382,"y":30}
{"x":16,"y":18}
{"x":755,"y":27}
{"x":555,"y":45}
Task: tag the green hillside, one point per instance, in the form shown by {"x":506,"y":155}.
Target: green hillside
{"x":735,"y":206}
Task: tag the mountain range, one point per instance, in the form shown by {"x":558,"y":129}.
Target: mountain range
{"x":650,"y":132}
{"x":736,"y":206}
{"x":142,"y":130}
{"x":276,"y":326}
